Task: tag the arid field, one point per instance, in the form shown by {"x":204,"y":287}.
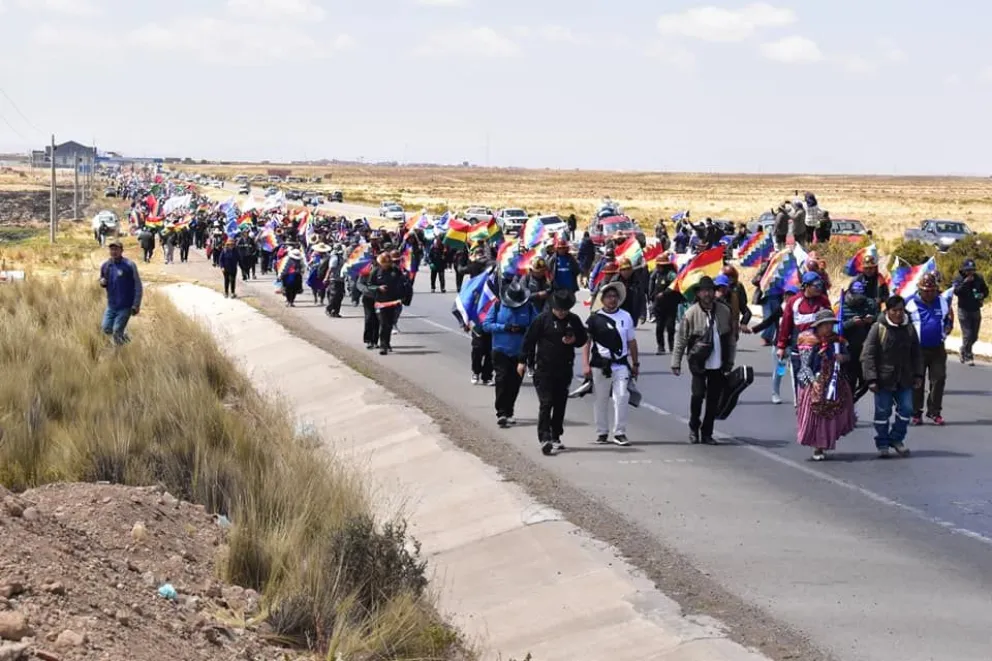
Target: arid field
{"x":887,"y":205}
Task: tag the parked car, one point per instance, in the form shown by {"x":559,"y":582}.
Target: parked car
{"x":478,"y":214}
{"x":384,"y":206}
{"x":511,"y":221}
{"x":847,"y":229}
{"x":110,"y":191}
{"x":940,"y":233}
{"x":271,"y":190}
{"x":336,"y":196}
{"x":312,"y":197}
{"x":245,"y":189}
{"x":394,"y":212}
{"x":294,"y":195}
{"x":603,"y":229}
{"x":553,"y":225}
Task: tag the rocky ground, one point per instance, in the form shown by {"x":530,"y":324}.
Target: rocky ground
{"x":28,"y":206}
{"x":83,"y":568}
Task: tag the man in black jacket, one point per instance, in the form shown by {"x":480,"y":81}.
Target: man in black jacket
{"x":549,"y":350}
{"x":438,"y":261}
{"x":971,"y":291}
{"x":389,"y":285}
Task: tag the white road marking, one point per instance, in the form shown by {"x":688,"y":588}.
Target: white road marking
{"x":768,"y":454}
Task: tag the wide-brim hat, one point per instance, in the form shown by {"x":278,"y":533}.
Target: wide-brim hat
{"x":824,"y":317}
{"x":295,"y":253}
{"x":515,"y":296}
{"x":384,"y":258}
{"x":618,"y":287}
{"x":321,"y":248}
{"x":562,"y":299}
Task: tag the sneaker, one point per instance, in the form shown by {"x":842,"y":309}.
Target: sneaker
{"x":530,"y":374}
{"x":660,"y":351}
{"x":487,"y":382}
{"x":501,"y":421}
{"x":603,"y":439}
{"x":383,"y":351}
{"x":547,"y":448}
{"x":818,"y":455}
{"x":370,"y":346}
{"x":694,"y":437}
{"x":937,"y":420}
{"x":900,"y":449}
{"x":510,"y":420}
{"x":709,"y":440}
{"x":557,"y":446}
{"x":621,"y":440}
{"x":776,"y":399}
{"x":916,"y":421}
{"x":883,"y":453}
{"x":476,"y":379}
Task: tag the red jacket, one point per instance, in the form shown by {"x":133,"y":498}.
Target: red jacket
{"x":798,"y":314}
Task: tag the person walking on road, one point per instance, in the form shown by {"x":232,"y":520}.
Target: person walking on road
{"x":893,"y":367}
{"x":389,"y":286}
{"x":610,"y":358}
{"x":826,"y":403}
{"x":564,"y":268}
{"x":665,"y":302}
{"x":933,"y":319}
{"x":119,"y":276}
{"x":507,"y":323}
{"x":292,"y":276}
{"x":335,"y":282}
{"x":875,"y":287}
{"x":437,"y":259}
{"x":706,"y":338}
{"x":549,"y":351}
{"x":229,"y":260}
{"x":797,"y":316}
{"x":859,"y":314}
{"x":971,"y":291}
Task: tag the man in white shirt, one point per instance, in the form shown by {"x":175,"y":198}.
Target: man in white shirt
{"x":610,"y":357}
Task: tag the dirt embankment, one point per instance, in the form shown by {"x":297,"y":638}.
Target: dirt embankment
{"x":30,"y":206}
{"x":84,"y":575}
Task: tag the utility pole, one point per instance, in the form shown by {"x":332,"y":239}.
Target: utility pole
{"x":75,"y":192}
{"x":53,"y":211}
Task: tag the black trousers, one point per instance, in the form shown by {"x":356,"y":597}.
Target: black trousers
{"x":459,"y":277}
{"x":507,"y":384}
{"x":971,"y":325}
{"x":664,"y":325}
{"x":335,"y":295}
{"x":371,"y":334}
{"x":246,"y":268}
{"x":436,"y":275}
{"x":148,"y":252}
{"x":552,"y":395}
{"x":387,"y":320}
{"x":482,"y":356}
{"x":266,"y":261}
{"x":706,"y":387}
{"x":184,"y":253}
{"x":230,"y":282}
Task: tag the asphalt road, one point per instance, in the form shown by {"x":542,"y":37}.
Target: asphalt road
{"x":873,"y":560}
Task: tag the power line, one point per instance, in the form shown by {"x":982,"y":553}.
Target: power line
{"x":11,"y":126}
{"x":18,"y":110}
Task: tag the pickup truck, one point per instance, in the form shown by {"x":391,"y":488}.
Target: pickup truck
{"x":940,"y":233}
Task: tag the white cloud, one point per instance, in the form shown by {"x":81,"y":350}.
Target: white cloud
{"x":74,"y":38}
{"x":857,"y":64}
{"x":218,"y":40}
{"x":557,"y":34}
{"x":479,"y":41}
{"x":70,"y":7}
{"x":953,"y":80}
{"x":890,"y":51}
{"x":724,"y":25}
{"x":305,"y":10}
{"x":672,"y":55}
{"x":442,"y":3}
{"x":792,"y":50}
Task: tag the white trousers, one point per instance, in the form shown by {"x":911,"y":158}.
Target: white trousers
{"x":603,"y":387}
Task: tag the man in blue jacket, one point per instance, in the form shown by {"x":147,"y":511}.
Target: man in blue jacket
{"x":930,"y":313}
{"x":508,"y":322}
{"x":119,"y":276}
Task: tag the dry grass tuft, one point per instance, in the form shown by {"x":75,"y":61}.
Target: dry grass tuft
{"x":171,"y":409}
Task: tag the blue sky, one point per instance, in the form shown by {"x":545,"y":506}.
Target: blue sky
{"x":860,"y":87}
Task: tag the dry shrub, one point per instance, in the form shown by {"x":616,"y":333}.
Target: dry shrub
{"x":171,"y":409}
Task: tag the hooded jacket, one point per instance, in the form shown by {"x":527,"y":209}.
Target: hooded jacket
{"x":505,"y":341}
{"x":798,"y":315}
{"x":891,"y":356}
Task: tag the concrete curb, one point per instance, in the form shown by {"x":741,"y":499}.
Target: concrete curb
{"x":953,"y":343}
{"x":511,"y":574}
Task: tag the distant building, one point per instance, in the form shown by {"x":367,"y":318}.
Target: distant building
{"x":65,"y":156}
